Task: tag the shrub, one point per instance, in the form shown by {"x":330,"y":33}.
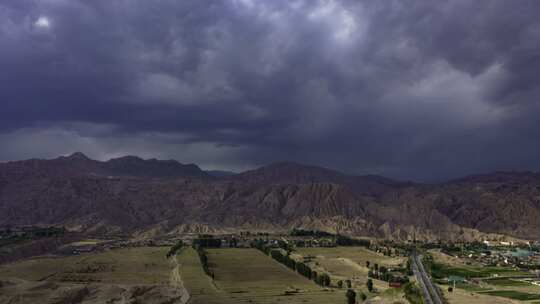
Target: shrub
{"x":351,"y":296}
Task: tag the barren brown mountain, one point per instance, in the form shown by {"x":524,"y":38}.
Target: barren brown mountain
{"x":132,"y":195}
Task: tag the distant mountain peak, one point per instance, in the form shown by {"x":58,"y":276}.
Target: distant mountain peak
{"x":78,"y":164}
{"x":78,"y":156}
{"x":137,"y":159}
{"x":297,"y":173}
{"x":136,"y":166}
{"x":291,"y":172}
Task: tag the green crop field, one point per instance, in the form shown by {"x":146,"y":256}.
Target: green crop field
{"x":440,"y":271}
{"x":512,"y":294}
{"x":470,"y":287}
{"x":506,"y":282}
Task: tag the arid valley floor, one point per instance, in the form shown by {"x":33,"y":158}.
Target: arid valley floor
{"x":239,"y":271}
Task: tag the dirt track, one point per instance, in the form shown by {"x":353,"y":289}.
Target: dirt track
{"x":176,"y":280}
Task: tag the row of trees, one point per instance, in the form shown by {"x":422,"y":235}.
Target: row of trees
{"x":233,"y":243}
{"x":409,"y":268}
{"x":388,"y":277}
{"x":283,"y":259}
{"x":285,"y":246}
{"x":412,"y":293}
{"x":391,"y":248}
{"x":351,"y":296}
{"x":204,"y":261}
{"x":347,"y":282}
{"x":342,"y":240}
{"x":261,"y":245}
{"x":322,"y":279}
{"x":206,"y":241}
{"x":314,"y":233}
{"x":304,"y":270}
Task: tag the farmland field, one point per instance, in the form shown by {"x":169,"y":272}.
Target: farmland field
{"x":199,"y":285}
{"x":472,"y":287}
{"x":248,"y":276}
{"x":142,"y":275}
{"x":447,"y":259}
{"x":512,"y":294}
{"x":144,"y":265}
{"x":506,"y":282}
{"x":442,"y":270}
{"x":357,"y":254}
{"x":343,"y":263}
{"x":348,"y":262}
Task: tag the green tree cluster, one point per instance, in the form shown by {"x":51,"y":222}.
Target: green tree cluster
{"x":283,"y":259}
{"x":175,"y":249}
{"x":412,"y":293}
{"x":342,"y":240}
{"x":323,"y":279}
{"x":369,"y":285}
{"x":314,"y":233}
{"x":204,"y":261}
{"x":351,"y":296}
{"x":206,"y":241}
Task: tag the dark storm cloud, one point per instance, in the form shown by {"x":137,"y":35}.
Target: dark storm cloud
{"x":419,"y":89}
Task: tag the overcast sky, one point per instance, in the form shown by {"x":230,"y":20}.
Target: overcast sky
{"x":421,"y":90}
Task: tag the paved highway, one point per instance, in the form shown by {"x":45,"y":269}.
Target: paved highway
{"x":431,"y":293}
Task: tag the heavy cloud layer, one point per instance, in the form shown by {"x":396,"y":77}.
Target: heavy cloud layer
{"x":423,"y":90}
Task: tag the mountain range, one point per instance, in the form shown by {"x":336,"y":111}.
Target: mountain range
{"x":131,"y":195}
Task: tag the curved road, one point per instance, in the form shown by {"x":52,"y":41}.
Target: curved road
{"x":431,"y":293}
